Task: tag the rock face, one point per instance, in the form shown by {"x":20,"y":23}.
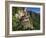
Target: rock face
{"x":26,"y":20}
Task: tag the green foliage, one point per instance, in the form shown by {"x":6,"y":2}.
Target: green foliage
{"x":14,"y":10}
{"x":16,"y":23}
{"x":37,"y":22}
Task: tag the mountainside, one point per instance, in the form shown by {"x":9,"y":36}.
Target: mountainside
{"x":36,"y":19}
